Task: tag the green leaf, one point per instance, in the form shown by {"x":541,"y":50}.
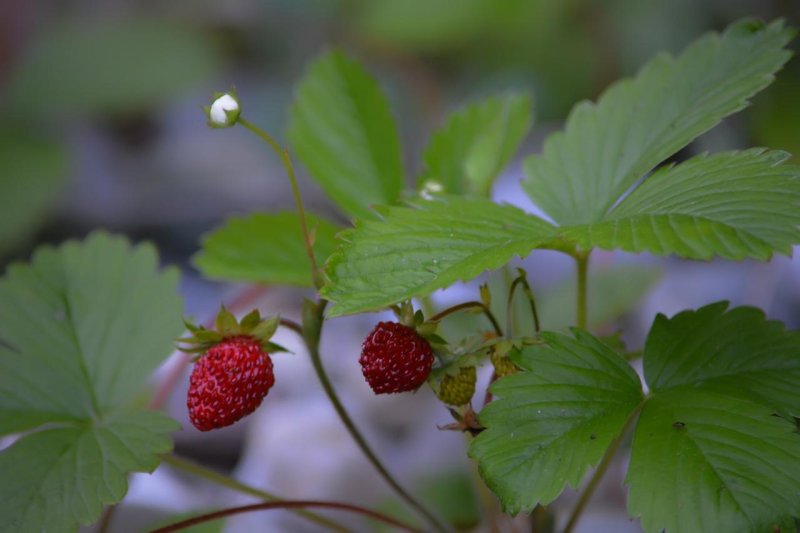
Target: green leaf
{"x":416,"y":250}
{"x":63,"y":477}
{"x":554,"y":420}
{"x":638,"y":123}
{"x":716,"y":447}
{"x":31,"y":178}
{"x":737,"y":352}
{"x":470,"y":150}
{"x":732,"y":204}
{"x":82,"y":327}
{"x":102,"y":66}
{"x":265,"y":248}
{"x":342,"y":130}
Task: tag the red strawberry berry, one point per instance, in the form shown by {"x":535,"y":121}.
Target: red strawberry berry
{"x":394,"y":358}
{"x":228,"y":383}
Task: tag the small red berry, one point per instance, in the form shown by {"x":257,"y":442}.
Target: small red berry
{"x":228,"y":382}
{"x":394,"y":358}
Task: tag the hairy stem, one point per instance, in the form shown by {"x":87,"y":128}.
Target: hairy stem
{"x":471,"y":305}
{"x":285,"y":505}
{"x":601,"y":470}
{"x":312,"y":333}
{"x":238,"y":486}
{"x":583,"y":267}
{"x":283,"y":153}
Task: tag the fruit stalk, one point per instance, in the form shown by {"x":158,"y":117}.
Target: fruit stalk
{"x":312,"y":331}
{"x":471,"y":305}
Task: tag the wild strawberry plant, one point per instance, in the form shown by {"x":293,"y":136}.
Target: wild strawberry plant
{"x":713,"y":418}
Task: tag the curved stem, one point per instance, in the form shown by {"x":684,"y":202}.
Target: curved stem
{"x":521,"y":280}
{"x":601,"y":470}
{"x":471,"y":305}
{"x":283,"y":153}
{"x":291,"y":324}
{"x":312,"y":343}
{"x":583,"y":264}
{"x":238,"y":486}
{"x":285,"y":505}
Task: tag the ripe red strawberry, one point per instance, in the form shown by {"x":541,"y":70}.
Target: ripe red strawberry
{"x":228,"y":383}
{"x":394,"y":358}
{"x":234,"y":372}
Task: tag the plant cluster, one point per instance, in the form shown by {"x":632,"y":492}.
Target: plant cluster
{"x":715,"y":421}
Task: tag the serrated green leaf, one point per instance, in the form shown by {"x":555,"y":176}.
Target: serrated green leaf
{"x":31,"y":177}
{"x":265,"y":248}
{"x":56,"y":479}
{"x":469,"y":151}
{"x":732,"y":204}
{"x":737,"y":352}
{"x":415,"y":250}
{"x":82,"y":327}
{"x":123,"y":63}
{"x":636,"y":124}
{"x":704,"y":461}
{"x":554,"y":420}
{"x":716,"y":447}
{"x":342,"y":130}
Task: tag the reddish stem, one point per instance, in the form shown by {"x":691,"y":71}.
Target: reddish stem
{"x":242,"y":300}
{"x":285,"y":505}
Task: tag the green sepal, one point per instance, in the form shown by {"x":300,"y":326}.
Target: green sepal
{"x":272,"y":348}
{"x":226,"y":323}
{"x":226,"y":327}
{"x":266,"y":328}
{"x":250,"y":321}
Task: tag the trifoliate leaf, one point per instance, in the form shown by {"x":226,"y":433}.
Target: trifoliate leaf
{"x":470,"y":150}
{"x":732,"y":204}
{"x":716,"y":447}
{"x":343,"y":132}
{"x":82,"y":327}
{"x":554,"y":420}
{"x":265,"y":248}
{"x":415,"y":250}
{"x":636,"y":124}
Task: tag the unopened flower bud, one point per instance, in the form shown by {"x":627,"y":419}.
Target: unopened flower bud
{"x":224,"y":112}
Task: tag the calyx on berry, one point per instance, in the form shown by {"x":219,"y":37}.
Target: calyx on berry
{"x":227,"y":327}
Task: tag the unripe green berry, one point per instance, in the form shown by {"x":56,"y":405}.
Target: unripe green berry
{"x":458,"y":389}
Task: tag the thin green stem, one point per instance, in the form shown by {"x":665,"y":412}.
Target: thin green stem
{"x":283,"y":153}
{"x":583,"y":267}
{"x":312,"y":337}
{"x":291,"y":324}
{"x":523,"y":281}
{"x":471,"y":305}
{"x":238,"y":486}
{"x":216,"y":515}
{"x":601,"y":470}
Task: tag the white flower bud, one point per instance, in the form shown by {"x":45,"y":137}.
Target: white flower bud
{"x":224,"y":112}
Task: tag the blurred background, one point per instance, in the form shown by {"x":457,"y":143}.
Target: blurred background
{"x":101,"y":127}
